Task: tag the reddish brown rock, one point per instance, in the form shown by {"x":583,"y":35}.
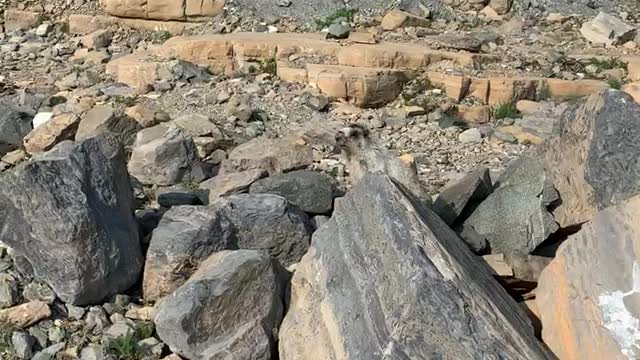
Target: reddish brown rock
{"x":47,"y":135}
{"x":589,"y":296}
{"x":25,"y":315}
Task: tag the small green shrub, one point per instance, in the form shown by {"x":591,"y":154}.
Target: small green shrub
{"x":269,"y":66}
{"x":126,"y":347}
{"x":608,"y":64}
{"x":615,"y":84}
{"x":325,"y":21}
{"x":505,"y":110}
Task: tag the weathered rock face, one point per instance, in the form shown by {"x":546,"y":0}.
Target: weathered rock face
{"x":47,"y":135}
{"x":608,"y":30}
{"x":390,"y":280}
{"x":102,"y":119}
{"x":310,"y":191}
{"x":514,"y":218}
{"x":185,"y":237}
{"x":268,"y":222}
{"x":271,"y":155}
{"x":164,"y":9}
{"x":589,"y":296}
{"x":165,"y":156}
{"x":229,"y":309}
{"x":463,"y":195}
{"x":69,"y":212}
{"x":15,"y":124}
{"x":592,"y":157}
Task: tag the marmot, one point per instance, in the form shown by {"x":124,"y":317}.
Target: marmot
{"x":364,"y":156}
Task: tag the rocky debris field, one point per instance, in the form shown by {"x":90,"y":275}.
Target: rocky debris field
{"x":365,"y":179}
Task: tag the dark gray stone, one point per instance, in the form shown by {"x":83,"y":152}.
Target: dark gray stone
{"x":515,"y":218}
{"x":230,"y":308}
{"x":338,"y":31}
{"x":311,"y":191}
{"x":387,"y":265}
{"x":268,"y":222}
{"x":69,"y":213}
{"x":164,"y":155}
{"x":23,"y":345}
{"x":186,"y":236}
{"x":179,"y":195}
{"x":593,"y":157}
{"x":15,"y":124}
{"x":463,"y":196}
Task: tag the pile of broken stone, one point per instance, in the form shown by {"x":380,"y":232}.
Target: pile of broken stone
{"x":127,"y":233}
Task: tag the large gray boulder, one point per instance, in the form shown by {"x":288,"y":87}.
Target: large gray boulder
{"x":268,"y":222}
{"x":230,"y":308}
{"x":589,"y":295}
{"x":69,"y":213}
{"x":463,"y":196}
{"x":515,"y":218}
{"x":15,"y":124}
{"x":385,"y":278}
{"x":187,"y":235}
{"x":164,"y":155}
{"x":311,"y":191}
{"x":593,"y":157}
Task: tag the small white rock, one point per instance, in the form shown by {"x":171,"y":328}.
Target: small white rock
{"x":472,"y":135}
{"x":41,"y":118}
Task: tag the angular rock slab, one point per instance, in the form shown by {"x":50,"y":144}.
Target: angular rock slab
{"x":589,"y":296}
{"x":463,"y":195}
{"x":310,"y":191}
{"x":272,"y":155}
{"x":164,"y":155}
{"x":69,"y":212}
{"x":230,"y":308}
{"x":185,"y":236}
{"x":385,"y":278}
{"x":593,"y":157}
{"x":514,"y":218}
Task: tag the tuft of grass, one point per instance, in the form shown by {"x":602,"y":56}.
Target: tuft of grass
{"x":608,"y":64}
{"x":126,"y":347}
{"x":615,"y":84}
{"x":191,"y":186}
{"x":505,"y":110}
{"x":325,"y":21}
{"x":269,"y":66}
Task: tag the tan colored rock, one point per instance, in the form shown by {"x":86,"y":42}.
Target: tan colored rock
{"x":608,"y":30}
{"x":491,"y":13}
{"x":528,"y":107}
{"x":523,"y":135}
{"x":47,"y":135}
{"x":562,"y":90}
{"x":498,"y":265}
{"x":231,"y":183}
{"x":288,"y":73}
{"x":507,"y":90}
{"x":86,"y":24}
{"x":363,"y":37}
{"x":633,"y":68}
{"x":500,"y":6}
{"x":204,"y":8}
{"x":97,"y":39}
{"x":25,"y":315}
{"x":144,"y":313}
{"x":20,"y":20}
{"x":396,"y":19}
{"x":164,"y":9}
{"x":143,"y":115}
{"x":480,"y":114}
{"x":126,"y":8}
{"x":365,"y":87}
{"x":589,"y":296}
{"x":455,"y":86}
{"x":633,"y":89}
{"x":137,"y":71}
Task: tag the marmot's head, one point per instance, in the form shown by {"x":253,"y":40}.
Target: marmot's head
{"x":352,"y":138}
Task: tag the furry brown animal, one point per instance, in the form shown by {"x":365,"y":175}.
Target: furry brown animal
{"x":365,"y":156}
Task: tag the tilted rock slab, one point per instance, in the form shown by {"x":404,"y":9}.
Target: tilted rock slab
{"x":514,"y":219}
{"x":187,"y":235}
{"x":69,"y":212}
{"x":589,"y":296}
{"x":593,"y":157}
{"x":385,"y":278}
{"x":229,"y":309}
